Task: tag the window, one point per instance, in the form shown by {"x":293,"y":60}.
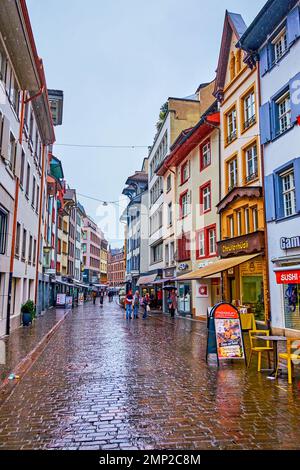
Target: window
{"x":212,"y":247}
{"x":156,"y":190}
{"x":255,"y":218}
{"x":206,"y":242}
{"x":34,"y":252}
{"x":170,"y":214}
{"x":288,"y":192}
{"x":33,"y":191}
{"x":12,"y":151}
{"x":22,"y":169}
{"x":3,"y":230}
{"x":251,"y":163}
{"x":184,"y":204}
{"x":172,"y":252}
{"x":280,"y":45}
{"x":247,"y":221}
{"x":37,"y":198}
{"x":184,"y":248}
{"x":167,"y":255}
{"x":205,"y":155}
{"x":283,"y":108}
{"x":31,"y":122}
{"x":185,"y":172}
{"x":232,"y":174}
{"x":30,"y":250}
{"x":230,"y":226}
{"x":18,"y":235}
{"x":231,"y":126}
{"x":157,"y":253}
{"x":205,"y":198}
{"x":249,"y":110}
{"x":239,"y":223}
{"x":200,"y":244}
{"x":169,"y":183}
{"x":24,"y":240}
{"x":28,"y":180}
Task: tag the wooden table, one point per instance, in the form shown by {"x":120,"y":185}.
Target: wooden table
{"x":274,"y":340}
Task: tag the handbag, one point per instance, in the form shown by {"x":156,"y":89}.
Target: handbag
{"x":148,"y":308}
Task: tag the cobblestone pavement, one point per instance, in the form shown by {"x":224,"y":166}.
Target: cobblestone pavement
{"x":107,"y":383}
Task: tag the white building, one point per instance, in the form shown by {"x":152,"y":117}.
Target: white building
{"x":27,"y":131}
{"x":274,"y":35}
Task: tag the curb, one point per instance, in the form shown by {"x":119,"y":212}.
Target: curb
{"x":8,"y":386}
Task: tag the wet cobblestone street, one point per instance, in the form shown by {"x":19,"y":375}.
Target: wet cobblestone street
{"x":107,"y":383}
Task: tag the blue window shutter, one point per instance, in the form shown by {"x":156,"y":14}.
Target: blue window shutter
{"x":293,"y":25}
{"x":265,"y":123}
{"x":279,"y":208}
{"x":264,"y":60}
{"x":297,"y":183}
{"x":270,"y":198}
{"x":295,"y":97}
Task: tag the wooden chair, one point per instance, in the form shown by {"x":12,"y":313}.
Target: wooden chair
{"x":259,"y":349}
{"x":291,"y":355}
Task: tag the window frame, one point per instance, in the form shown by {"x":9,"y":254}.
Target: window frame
{"x":202,"y":165}
{"x":201,"y":198}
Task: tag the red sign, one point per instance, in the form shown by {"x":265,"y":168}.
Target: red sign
{"x":225,"y":311}
{"x":288,"y":277}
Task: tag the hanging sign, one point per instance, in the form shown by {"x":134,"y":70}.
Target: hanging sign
{"x":225,"y":337}
{"x":288,"y":277}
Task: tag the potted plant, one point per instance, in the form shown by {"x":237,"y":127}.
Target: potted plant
{"x":28,"y":312}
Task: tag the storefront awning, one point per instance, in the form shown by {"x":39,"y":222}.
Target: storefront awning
{"x":166,"y":279}
{"x":217,"y":267}
{"x":144,"y":280}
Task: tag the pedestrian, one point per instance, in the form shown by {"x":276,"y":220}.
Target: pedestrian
{"x":172,"y":302}
{"x":101,"y":298}
{"x":136,"y":304}
{"x":146,"y":304}
{"x":159,"y":299}
{"x":94,"y":295}
{"x":128,"y":304}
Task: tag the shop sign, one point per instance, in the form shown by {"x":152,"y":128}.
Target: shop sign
{"x":245,"y":245}
{"x":170,"y":272}
{"x":225,"y":333}
{"x":289,"y":243}
{"x":202,"y":291}
{"x":288,"y":277}
{"x":183,"y":266}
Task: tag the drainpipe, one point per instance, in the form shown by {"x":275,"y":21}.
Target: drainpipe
{"x":267,"y":287}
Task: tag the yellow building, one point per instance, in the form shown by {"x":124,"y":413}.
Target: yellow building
{"x":241,"y":207}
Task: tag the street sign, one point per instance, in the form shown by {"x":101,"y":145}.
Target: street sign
{"x":224,"y":333}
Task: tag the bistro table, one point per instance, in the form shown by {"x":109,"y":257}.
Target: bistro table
{"x":274,"y":340}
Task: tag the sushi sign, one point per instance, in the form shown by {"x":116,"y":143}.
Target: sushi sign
{"x":225,"y":336}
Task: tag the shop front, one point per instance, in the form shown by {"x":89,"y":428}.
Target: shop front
{"x":288,"y":280}
{"x":245,"y":285}
{"x":184,"y":290}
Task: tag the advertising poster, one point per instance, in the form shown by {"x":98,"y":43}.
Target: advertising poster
{"x":81,"y":299}
{"x":69,"y":301}
{"x":228,"y":333}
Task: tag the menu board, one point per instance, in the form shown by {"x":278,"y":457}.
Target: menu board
{"x":224,"y":333}
{"x":69,"y":301}
{"x":228,"y":332}
{"x":60,"y":300}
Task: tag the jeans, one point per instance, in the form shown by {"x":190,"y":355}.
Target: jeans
{"x":145,"y":311}
{"x":135,"y":311}
{"x":128,"y":311}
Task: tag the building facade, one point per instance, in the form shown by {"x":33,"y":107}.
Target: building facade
{"x":274,"y":38}
{"x":116,"y":267}
{"x":91,"y":248}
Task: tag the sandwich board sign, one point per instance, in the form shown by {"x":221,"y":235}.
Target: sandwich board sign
{"x":224,"y":333}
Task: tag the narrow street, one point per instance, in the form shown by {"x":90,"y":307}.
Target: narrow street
{"x":107,"y":383}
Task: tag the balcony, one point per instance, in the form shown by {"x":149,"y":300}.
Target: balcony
{"x":250,"y":122}
{"x":252,"y":177}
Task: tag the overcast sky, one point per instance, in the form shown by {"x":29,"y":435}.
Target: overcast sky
{"x":117,"y":61}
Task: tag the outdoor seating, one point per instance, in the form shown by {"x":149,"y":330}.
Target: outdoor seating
{"x":291,"y":355}
{"x":259,"y":349}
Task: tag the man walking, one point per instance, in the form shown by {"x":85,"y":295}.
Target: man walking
{"x":136,"y":304}
{"x":128,"y":304}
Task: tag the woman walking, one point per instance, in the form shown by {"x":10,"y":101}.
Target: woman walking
{"x":146,"y":304}
{"x":172,"y":302}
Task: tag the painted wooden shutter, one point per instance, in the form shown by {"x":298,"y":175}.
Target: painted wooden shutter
{"x":5,"y":139}
{"x":264,"y":60}
{"x":265,"y":123}
{"x":297,"y":183}
{"x":295,"y":97}
{"x":293,"y":25}
{"x":270,"y":198}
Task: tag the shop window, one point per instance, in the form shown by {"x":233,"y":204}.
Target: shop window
{"x":291,"y":296}
{"x":205,"y":155}
{"x":253,"y":297}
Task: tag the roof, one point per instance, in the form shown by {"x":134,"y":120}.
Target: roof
{"x":265,"y":23}
{"x":238,"y":193}
{"x":138,"y":177}
{"x":81,"y":208}
{"x":70,"y":195}
{"x":233,"y":23}
{"x":187,"y":141}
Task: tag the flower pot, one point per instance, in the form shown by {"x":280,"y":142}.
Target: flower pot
{"x":26,"y":319}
